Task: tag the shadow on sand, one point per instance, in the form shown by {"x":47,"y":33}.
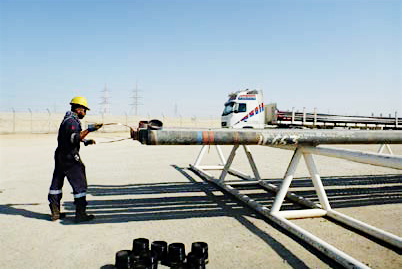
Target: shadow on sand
{"x":12,"y":209}
{"x":193,"y":199}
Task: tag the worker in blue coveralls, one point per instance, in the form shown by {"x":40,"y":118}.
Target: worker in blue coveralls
{"x":68,"y":162}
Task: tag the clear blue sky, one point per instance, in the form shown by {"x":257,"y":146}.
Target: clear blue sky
{"x":341,"y":56}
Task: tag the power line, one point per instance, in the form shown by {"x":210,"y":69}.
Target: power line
{"x":105,"y":104}
{"x":136,"y":97}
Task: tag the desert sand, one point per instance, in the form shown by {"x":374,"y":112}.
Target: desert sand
{"x":148,"y":191}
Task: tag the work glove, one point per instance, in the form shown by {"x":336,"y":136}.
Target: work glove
{"x":94,"y":127}
{"x":88,"y":142}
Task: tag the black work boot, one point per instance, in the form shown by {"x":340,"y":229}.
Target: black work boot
{"x":55,"y":212}
{"x":80,"y":208}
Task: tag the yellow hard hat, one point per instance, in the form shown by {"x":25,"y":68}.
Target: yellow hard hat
{"x":79,"y":100}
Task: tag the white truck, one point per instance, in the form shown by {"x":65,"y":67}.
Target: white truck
{"x":246,"y":109}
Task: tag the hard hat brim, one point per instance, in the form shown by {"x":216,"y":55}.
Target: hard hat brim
{"x":87,"y":108}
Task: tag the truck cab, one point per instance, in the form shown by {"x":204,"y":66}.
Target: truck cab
{"x":244,"y":109}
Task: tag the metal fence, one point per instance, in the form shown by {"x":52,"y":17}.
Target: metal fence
{"x":48,"y":122}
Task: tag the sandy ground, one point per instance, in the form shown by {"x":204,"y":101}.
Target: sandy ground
{"x":147,"y":191}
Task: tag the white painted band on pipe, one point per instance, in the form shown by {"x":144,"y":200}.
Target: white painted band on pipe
{"x":357,"y":156}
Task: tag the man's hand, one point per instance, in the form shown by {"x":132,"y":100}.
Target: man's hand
{"x":88,"y":142}
{"x":94,"y":127}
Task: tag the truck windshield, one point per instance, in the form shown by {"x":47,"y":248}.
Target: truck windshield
{"x":228,"y":108}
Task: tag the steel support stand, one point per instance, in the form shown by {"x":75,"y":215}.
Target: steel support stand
{"x":316,"y":210}
{"x":201,"y":154}
{"x":228,"y":163}
{"x":330,"y":251}
{"x":225,"y":165}
{"x":251,"y":162}
{"x":381,"y":149}
{"x":280,"y":196}
{"x":319,"y":187}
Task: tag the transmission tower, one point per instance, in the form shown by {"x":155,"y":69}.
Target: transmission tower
{"x":136,"y":97}
{"x":105,"y":108}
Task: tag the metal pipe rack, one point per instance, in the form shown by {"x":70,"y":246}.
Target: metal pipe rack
{"x":305,"y":145}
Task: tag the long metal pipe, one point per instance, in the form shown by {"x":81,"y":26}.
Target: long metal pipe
{"x":268,"y":137}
